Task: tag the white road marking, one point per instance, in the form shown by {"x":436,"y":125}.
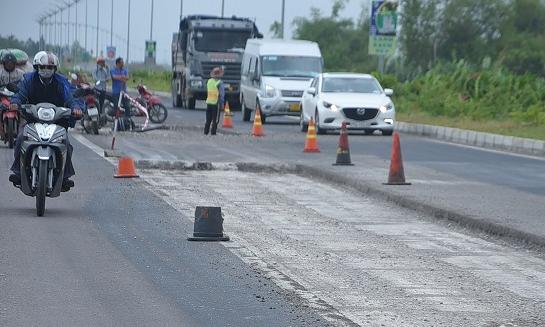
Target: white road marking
{"x":370,"y":261}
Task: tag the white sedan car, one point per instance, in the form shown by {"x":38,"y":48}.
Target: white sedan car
{"x":357,"y":99}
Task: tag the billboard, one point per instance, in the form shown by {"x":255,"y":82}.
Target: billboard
{"x":383,"y":32}
{"x":151,"y":49}
{"x":110,"y":53}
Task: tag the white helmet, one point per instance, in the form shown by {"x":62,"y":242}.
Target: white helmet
{"x":46,"y":63}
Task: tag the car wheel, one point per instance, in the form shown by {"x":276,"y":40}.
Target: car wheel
{"x":304,"y":127}
{"x":319,"y":130}
{"x":387,"y":132}
{"x":263,"y":117}
{"x":246,"y":114}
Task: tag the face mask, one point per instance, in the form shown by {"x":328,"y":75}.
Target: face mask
{"x":46,"y":73}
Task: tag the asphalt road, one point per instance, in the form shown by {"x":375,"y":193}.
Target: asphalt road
{"x":111,"y":253}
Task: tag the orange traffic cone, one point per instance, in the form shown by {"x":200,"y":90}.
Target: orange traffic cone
{"x":311,"y":142}
{"x":227,"y":117}
{"x":396,"y":175}
{"x":343,"y":150}
{"x":125,"y":168}
{"x":257,"y":129}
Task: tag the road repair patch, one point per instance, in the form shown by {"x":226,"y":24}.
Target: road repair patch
{"x":358,"y":259}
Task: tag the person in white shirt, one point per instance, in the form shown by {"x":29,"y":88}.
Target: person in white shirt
{"x":9,"y":73}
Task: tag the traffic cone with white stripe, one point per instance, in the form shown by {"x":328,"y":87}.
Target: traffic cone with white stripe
{"x":227,"y":117}
{"x":311,"y":141}
{"x":257,"y":129}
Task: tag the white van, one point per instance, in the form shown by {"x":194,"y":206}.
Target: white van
{"x":274,"y":75}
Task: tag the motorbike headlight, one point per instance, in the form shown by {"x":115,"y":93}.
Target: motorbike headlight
{"x":386,"y":107}
{"x":30,"y":137}
{"x":46,"y":114}
{"x":330,"y":106}
{"x":58,"y":139}
{"x":270,"y":91}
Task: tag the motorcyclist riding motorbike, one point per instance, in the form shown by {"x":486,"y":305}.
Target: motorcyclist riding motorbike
{"x":45,"y":85}
{"x":9,"y":72}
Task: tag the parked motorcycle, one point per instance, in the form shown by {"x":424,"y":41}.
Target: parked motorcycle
{"x":157,"y":111}
{"x":43,"y":154}
{"x":10,"y":118}
{"x":91,"y":121}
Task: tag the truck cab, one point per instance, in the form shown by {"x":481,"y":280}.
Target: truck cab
{"x":205,"y":42}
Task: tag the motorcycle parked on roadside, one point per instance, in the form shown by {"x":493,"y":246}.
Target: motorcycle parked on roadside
{"x":43,"y":152}
{"x":92,"y":121}
{"x":10,"y":118}
{"x":157,"y":111}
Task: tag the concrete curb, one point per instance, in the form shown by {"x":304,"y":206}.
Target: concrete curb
{"x":473,"y":138}
{"x":376,"y":191}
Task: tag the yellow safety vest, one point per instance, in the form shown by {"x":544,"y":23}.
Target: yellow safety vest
{"x":213,"y":91}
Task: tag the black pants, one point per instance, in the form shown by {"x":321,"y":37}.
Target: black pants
{"x":101,"y":98}
{"x":211,"y":118}
{"x":16,"y":166}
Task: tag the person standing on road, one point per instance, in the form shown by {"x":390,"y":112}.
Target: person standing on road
{"x":214,"y":100}
{"x":120,"y":76}
{"x":102,"y":75}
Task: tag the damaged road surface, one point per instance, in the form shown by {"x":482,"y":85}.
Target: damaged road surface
{"x":360,"y":260}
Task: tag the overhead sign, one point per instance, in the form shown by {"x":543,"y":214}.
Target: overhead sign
{"x":383,"y":33}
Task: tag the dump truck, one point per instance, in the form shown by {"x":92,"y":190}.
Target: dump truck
{"x":205,"y":42}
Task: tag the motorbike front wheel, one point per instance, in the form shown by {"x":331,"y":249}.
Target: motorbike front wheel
{"x":41,"y":190}
{"x":158,"y":113}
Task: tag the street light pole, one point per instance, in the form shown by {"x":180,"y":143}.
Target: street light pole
{"x":128,"y":30}
{"x":283,"y":18}
{"x":98,"y":20}
{"x":151,"y":24}
{"x":181,"y":9}
{"x":86,"y":24}
{"x":112,"y":24}
{"x":222,"y":8}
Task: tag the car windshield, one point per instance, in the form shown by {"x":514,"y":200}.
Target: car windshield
{"x":220,"y":40}
{"x":350,"y":85}
{"x":291,"y":66}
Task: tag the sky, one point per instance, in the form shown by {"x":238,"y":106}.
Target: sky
{"x":166,"y":17}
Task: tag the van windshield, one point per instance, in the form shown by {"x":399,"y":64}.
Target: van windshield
{"x":290,"y":66}
{"x":220,"y":40}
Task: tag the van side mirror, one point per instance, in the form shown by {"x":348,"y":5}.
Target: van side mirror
{"x":388,"y":92}
{"x":311,"y":90}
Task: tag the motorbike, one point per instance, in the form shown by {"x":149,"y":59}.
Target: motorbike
{"x":92,"y":121}
{"x":43,"y":152}
{"x":157,"y":111}
{"x":10,"y":118}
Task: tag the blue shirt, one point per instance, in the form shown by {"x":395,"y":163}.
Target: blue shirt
{"x":118,"y":86}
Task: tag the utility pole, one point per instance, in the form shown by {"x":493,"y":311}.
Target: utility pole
{"x":129,"y":30}
{"x":68,"y":29}
{"x":55,"y":43}
{"x":98,"y":20}
{"x":283,"y":18}
{"x":76,"y":36}
{"x":181,"y":9}
{"x":222,"y":8}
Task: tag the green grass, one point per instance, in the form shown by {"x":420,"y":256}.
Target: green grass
{"x":507,"y":127}
{"x":154,"y":80}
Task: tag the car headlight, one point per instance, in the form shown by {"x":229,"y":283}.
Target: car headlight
{"x":330,"y":106}
{"x":386,"y":107}
{"x":270,"y":91}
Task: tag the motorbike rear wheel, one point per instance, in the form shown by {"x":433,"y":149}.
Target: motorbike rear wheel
{"x":158,"y":113}
{"x":94,"y":127}
{"x":41,"y":190}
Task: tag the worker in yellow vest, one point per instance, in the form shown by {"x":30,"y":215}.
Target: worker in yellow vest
{"x":214,"y":100}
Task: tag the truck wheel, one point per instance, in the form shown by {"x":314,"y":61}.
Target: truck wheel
{"x":245,"y":111}
{"x":176,"y":98}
